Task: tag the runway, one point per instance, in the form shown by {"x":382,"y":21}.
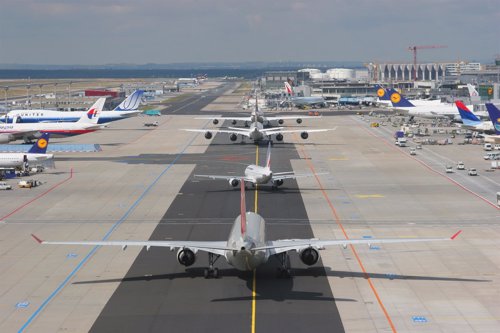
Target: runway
{"x":159,"y":294}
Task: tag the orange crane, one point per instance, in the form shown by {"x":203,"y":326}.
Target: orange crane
{"x":421,"y":47}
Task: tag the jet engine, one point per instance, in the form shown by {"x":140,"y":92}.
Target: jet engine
{"x":280,"y":121}
{"x":278,"y":182}
{"x":279,"y":137}
{"x":304,"y":135}
{"x":299,"y":121}
{"x":233,"y":122}
{"x":234,"y":182}
{"x":247,"y":124}
{"x":215,"y":121}
{"x":6,"y":138}
{"x":208,"y":135}
{"x":233,"y":137}
{"x":186,"y":257}
{"x":309,"y":256}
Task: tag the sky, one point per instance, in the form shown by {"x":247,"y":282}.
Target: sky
{"x":96,"y":32}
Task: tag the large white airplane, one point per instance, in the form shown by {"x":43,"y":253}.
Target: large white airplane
{"x":258,"y":116}
{"x":87,"y":123}
{"x":259,"y":175}
{"x":127,"y":108}
{"x":303,"y":101}
{"x":36,"y":154}
{"x":257,"y":132}
{"x":246,"y":247}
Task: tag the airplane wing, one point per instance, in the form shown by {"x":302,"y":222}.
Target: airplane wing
{"x":271,"y":131}
{"x":226,"y":118}
{"x":225,"y":177}
{"x":292,"y":175}
{"x":280,"y":246}
{"x":291,"y":117}
{"x":218,"y":248}
{"x":240,"y":131}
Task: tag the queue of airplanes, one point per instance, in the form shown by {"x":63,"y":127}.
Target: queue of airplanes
{"x":246,"y":247}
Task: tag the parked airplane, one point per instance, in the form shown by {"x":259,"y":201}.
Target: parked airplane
{"x":314,"y":101}
{"x":258,"y":116}
{"x":257,"y":132}
{"x":36,"y":154}
{"x":87,"y":123}
{"x":259,"y":175}
{"x":494,"y":113}
{"x":471,"y":121}
{"x":246,"y":247}
{"x":424,"y":108}
{"x":126,"y":109}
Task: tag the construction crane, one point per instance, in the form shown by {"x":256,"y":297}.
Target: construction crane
{"x":421,"y":47}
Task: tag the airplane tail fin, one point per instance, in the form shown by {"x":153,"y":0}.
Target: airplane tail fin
{"x":288,"y":89}
{"x":40,"y":146}
{"x":92,"y":115}
{"x":382,"y":93}
{"x":494,"y":116}
{"x":243,"y":208}
{"x":132,"y":102}
{"x":468,"y":118}
{"x":472,"y":90}
{"x":398,"y":100}
{"x":268,"y":157}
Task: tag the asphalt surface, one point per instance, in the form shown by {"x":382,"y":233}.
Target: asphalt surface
{"x":158,"y":294}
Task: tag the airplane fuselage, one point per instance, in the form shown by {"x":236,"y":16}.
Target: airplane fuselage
{"x":243,"y":257}
{"x":254,"y":133}
{"x":8,"y":160}
{"x":260,"y":175}
{"x":37,"y":116}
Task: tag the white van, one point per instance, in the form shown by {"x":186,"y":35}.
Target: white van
{"x":493,"y":155}
{"x":487,"y":147}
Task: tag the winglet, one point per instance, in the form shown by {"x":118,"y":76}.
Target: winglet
{"x":37,"y":239}
{"x":456,"y":234}
{"x":243,"y":209}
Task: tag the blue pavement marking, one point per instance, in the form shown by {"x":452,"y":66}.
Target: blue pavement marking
{"x":367,"y":237}
{"x":53,"y":148}
{"x":419,"y":319}
{"x":71,"y":255}
{"x":374,"y":247}
{"x":106,"y":236}
{"x":22,"y":305}
{"x":392,"y":276}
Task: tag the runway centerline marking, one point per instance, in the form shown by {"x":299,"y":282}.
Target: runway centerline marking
{"x":106,"y":236}
{"x":358,"y":259}
{"x":254,"y":278}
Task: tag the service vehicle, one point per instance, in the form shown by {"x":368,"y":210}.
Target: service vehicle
{"x":460,"y":166}
{"x":472,"y":172}
{"x":5,"y":186}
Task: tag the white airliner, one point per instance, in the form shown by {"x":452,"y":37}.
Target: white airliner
{"x":127,"y":108}
{"x":87,"y":123}
{"x":246,"y":248}
{"x":258,"y":116}
{"x":259,"y":175}
{"x":36,"y":154}
{"x":257,"y":132}
{"x":304,"y":101}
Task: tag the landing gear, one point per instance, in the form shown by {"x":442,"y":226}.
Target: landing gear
{"x":211,"y":271}
{"x":284,"y":270}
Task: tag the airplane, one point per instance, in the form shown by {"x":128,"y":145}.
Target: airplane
{"x":246,"y":247}
{"x":127,"y":108}
{"x":424,"y":109}
{"x":259,"y":175}
{"x":36,"y":154}
{"x":87,"y":123}
{"x":257,"y":132}
{"x":314,"y":101}
{"x":258,"y":116}
{"x":471,"y":121}
{"x":494,"y":113}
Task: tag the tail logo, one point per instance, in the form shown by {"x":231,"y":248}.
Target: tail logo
{"x":91,"y":113}
{"x":395,"y":97}
{"x":41,"y":143}
{"x":380,"y":92}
